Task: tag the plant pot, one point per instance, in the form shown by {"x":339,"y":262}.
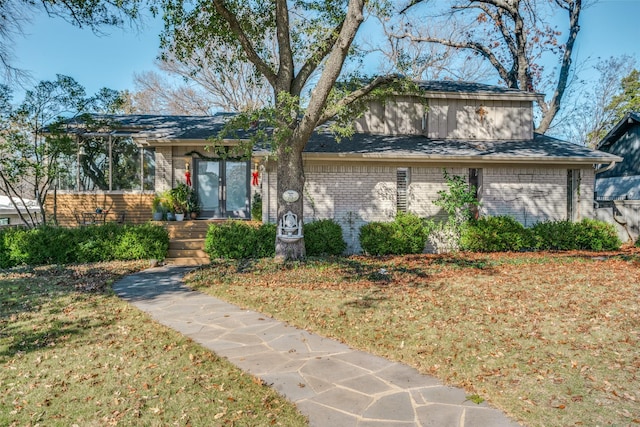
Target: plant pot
{"x":179,"y":217}
{"x":157,"y":216}
{"x":194,"y":215}
{"x":171,"y":216}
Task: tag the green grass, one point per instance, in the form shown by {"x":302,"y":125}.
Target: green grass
{"x":550,"y":338}
{"x":72,"y":353}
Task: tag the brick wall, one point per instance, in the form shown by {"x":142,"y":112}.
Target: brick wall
{"x":355,"y":194}
{"x":529,"y":195}
{"x":69,"y":207}
{"x":164,"y":168}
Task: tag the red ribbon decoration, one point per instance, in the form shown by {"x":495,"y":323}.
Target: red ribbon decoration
{"x":255,"y":176}
{"x":187,"y":175}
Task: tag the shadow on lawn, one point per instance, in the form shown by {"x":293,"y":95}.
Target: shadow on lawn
{"x":30,"y":315}
{"x":413,"y":270}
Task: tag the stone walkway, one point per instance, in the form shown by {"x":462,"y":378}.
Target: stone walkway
{"x":332,"y":384}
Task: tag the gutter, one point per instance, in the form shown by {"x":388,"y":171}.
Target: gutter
{"x":608,"y":168}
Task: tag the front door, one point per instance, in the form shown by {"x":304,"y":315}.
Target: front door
{"x":223,"y":188}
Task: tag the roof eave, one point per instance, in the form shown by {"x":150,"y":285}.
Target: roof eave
{"x":412,"y":158}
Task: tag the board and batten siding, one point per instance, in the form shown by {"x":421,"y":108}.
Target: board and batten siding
{"x":479,"y":119}
{"x":470,"y":119}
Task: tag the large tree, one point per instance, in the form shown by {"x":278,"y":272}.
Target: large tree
{"x":601,"y":104}
{"x":512,"y":36}
{"x":33,"y":139}
{"x":313,"y":39}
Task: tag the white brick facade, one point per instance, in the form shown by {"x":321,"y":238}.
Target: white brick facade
{"x":355,"y":194}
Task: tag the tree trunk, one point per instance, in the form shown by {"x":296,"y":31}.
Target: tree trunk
{"x":290,"y":177}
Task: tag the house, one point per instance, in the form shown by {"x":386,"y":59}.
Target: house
{"x":394,"y":162}
{"x":396,"y":158}
{"x":10,"y":216}
{"x":622,"y":181}
{"x":618,"y":187}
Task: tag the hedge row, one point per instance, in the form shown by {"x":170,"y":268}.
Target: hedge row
{"x":240,"y":239}
{"x":500,"y":234}
{"x":408,"y":234}
{"x":57,"y":245}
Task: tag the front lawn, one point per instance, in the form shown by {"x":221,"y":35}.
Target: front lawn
{"x":72,"y":353}
{"x":550,"y":338}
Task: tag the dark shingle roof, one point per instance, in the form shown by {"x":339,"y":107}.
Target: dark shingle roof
{"x":464,"y":87}
{"x":166,"y":127}
{"x":631,"y":118}
{"x":417,"y":147}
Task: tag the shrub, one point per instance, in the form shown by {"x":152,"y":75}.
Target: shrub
{"x":594,"y":235}
{"x":57,"y":245}
{"x":266,"y":240}
{"x":231,"y":239}
{"x":141,"y":242}
{"x":554,"y":235}
{"x":256,"y":207}
{"x":406,"y":235}
{"x":324,"y":237}
{"x":240,"y":239}
{"x":496,"y":234}
{"x":376,"y":238}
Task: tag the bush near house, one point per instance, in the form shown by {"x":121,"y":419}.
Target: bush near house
{"x":324,"y":237}
{"x":588,"y":234}
{"x":496,"y":234}
{"x":242,"y":239}
{"x":407,"y":234}
{"x":58,"y":245}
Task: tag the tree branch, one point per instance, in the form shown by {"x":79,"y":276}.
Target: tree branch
{"x":315,"y":59}
{"x":354,"y":96}
{"x":354,"y":17}
{"x":246,"y":44}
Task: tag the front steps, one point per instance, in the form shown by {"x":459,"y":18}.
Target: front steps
{"x":186,"y":242}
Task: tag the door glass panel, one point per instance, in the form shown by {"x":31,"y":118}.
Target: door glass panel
{"x":208,"y":181}
{"x":237,"y":193}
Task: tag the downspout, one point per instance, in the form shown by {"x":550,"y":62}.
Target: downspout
{"x":608,"y":168}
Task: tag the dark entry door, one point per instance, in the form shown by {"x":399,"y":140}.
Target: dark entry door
{"x":223,"y":188}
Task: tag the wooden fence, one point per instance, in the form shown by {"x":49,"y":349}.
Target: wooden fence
{"x":624,"y":214}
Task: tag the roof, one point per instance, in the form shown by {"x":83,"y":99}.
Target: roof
{"x":457,"y":89}
{"x":618,"y":187}
{"x":542,"y":149}
{"x":632,"y":118}
{"x":165,"y":127}
{"x":7,"y":208}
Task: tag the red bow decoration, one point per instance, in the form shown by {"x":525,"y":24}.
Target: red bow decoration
{"x":187,"y":175}
{"x":255,"y":176}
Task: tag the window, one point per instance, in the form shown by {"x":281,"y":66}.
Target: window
{"x":402,"y":187}
{"x":5,"y":221}
{"x":108,"y":164}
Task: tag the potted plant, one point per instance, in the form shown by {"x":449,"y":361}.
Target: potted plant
{"x":193,"y":204}
{"x":158,"y":207}
{"x":179,"y":198}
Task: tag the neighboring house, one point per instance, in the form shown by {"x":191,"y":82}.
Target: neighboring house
{"x":9,"y":215}
{"x":394,"y":162}
{"x":622,"y":181}
{"x":618,"y":187}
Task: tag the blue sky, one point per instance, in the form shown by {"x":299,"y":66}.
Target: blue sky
{"x":52,"y":46}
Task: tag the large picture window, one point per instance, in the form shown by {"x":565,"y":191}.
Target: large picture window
{"x":108,"y":164}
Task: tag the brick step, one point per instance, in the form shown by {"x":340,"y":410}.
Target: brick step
{"x":183,"y":253}
{"x":186,"y":261}
{"x":186,"y":244}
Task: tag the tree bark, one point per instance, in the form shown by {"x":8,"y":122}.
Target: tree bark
{"x":290,"y":174}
